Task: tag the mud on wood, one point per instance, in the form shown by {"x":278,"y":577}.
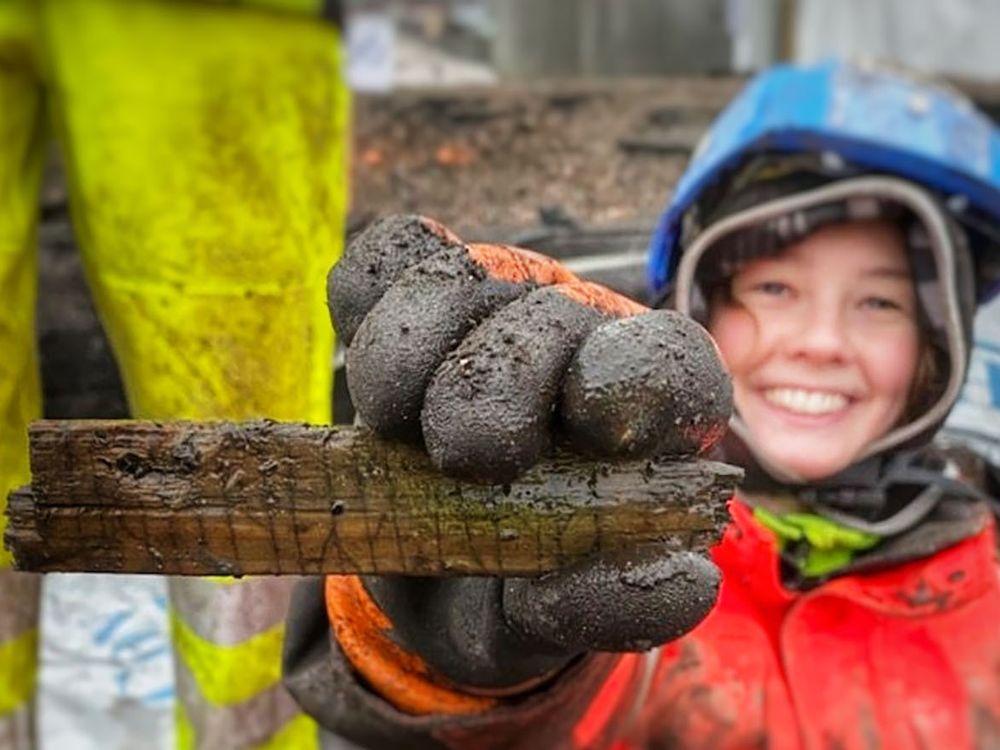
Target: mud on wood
{"x":275,"y":498}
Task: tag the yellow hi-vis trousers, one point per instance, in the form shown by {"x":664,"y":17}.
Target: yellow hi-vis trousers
{"x":205,"y":151}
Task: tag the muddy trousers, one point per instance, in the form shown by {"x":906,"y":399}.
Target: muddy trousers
{"x":204,"y":148}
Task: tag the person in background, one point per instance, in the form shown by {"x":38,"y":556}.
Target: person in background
{"x":205,"y":149}
{"x":834,"y":232}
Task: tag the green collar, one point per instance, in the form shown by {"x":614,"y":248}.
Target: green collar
{"x":816,"y":546}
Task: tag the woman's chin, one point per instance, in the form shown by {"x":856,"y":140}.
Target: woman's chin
{"x":807,"y":465}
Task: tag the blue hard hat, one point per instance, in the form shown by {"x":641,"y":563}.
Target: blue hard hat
{"x":876,"y":120}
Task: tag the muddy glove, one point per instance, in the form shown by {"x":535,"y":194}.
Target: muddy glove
{"x":490,"y":355}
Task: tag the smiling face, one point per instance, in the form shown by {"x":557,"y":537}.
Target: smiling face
{"x":822,"y":344}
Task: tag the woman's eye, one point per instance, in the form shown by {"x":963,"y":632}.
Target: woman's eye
{"x":880,"y":303}
{"x":772,"y":288}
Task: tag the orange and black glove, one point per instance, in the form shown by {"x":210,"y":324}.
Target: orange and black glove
{"x":489,"y":355}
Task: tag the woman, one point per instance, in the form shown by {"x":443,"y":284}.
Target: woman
{"x":836,"y":252}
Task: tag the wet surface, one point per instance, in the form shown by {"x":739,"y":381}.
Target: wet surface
{"x":645,"y":385}
{"x":488,"y":413}
{"x":373,"y":261}
{"x":410,"y":331}
{"x":634,"y":600}
{"x":261,"y":497}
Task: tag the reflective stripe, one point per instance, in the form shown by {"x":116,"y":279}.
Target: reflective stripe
{"x":183,"y":730}
{"x":301,"y":733}
{"x":227,"y":614}
{"x":269,"y":721}
{"x":227,"y":675}
{"x":17,"y":729}
{"x":18,"y":671}
{"x":227,"y":637}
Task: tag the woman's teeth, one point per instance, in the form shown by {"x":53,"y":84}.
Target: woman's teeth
{"x":806,"y":402}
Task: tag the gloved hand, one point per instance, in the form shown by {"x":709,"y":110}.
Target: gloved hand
{"x":490,"y":354}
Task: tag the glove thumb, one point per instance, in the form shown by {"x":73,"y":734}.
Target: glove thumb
{"x":627,"y":601}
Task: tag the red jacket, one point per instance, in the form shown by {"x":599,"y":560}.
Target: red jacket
{"x":906,"y":658}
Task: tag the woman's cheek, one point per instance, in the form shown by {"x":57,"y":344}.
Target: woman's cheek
{"x":890,"y":367}
{"x":892,"y":363}
{"x":735,"y":334}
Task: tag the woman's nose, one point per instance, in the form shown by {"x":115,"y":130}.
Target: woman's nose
{"x":819,"y":334}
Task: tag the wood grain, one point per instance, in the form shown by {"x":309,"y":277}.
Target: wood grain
{"x":218,"y":498}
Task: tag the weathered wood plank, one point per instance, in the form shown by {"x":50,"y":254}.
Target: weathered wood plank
{"x":265,"y":497}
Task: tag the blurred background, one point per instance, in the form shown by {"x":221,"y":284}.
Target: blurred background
{"x":560,"y":125}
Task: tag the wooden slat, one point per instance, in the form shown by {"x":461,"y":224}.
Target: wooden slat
{"x":273,"y":498}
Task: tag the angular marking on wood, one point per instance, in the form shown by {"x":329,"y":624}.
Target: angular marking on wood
{"x":218,"y":498}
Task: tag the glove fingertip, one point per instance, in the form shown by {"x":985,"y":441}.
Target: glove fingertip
{"x":650,"y":384}
{"x":374,"y":260}
{"x":488,"y":412}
